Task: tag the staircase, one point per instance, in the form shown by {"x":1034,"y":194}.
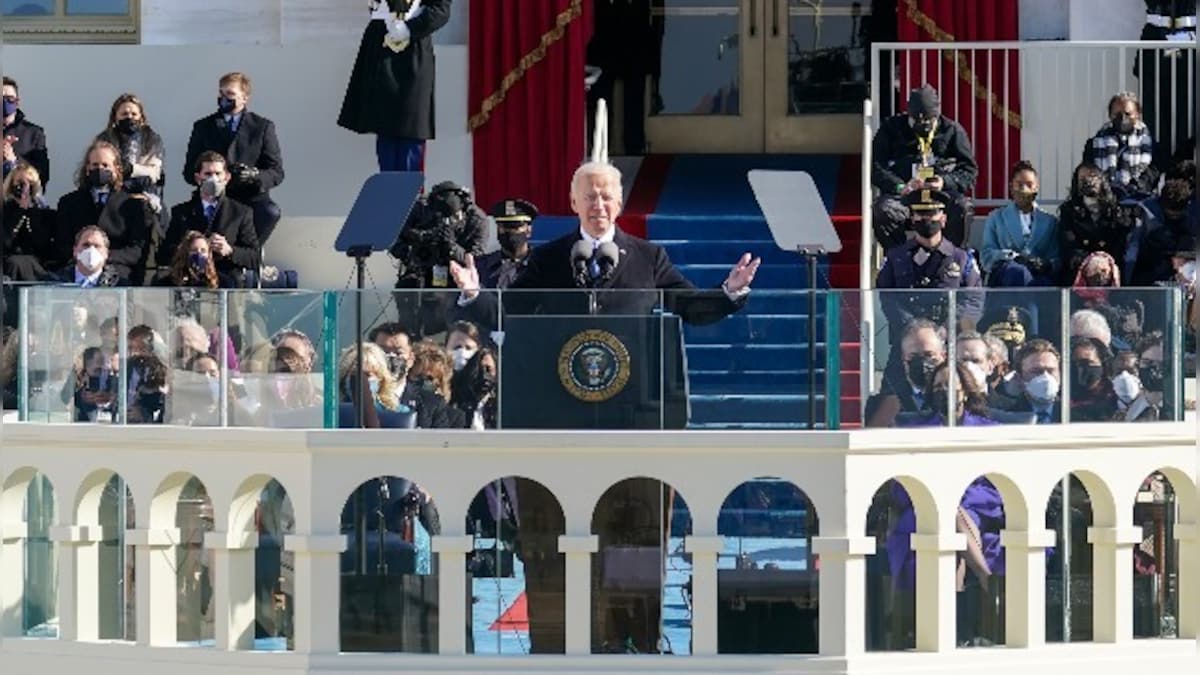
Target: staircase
{"x":750,"y":371}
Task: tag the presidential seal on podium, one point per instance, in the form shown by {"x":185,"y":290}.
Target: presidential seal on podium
{"x":594,"y":366}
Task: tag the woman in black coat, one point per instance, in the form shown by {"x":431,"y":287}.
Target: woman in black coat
{"x":28,"y":238}
{"x":1091,"y":220}
{"x":142,"y":150}
{"x":390,"y":93}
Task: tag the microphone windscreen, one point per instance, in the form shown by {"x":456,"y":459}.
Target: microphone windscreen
{"x":582,"y":250}
{"x":609,"y":252}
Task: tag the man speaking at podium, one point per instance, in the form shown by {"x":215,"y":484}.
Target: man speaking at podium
{"x":601,"y":256}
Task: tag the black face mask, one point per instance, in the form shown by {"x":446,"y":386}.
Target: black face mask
{"x":1123,"y":123}
{"x":922,"y":127}
{"x":225,"y":105}
{"x":512,"y":242}
{"x":1085,"y":376}
{"x":487,"y":386}
{"x":1152,"y":377}
{"x":99,"y":178}
{"x":1090,"y":187}
{"x":427,"y":385}
{"x":918,"y":369}
{"x":1098,"y":280}
{"x":128,"y":125}
{"x":926,"y":227}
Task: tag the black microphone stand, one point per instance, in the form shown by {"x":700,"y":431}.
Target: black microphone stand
{"x":360,"y":254}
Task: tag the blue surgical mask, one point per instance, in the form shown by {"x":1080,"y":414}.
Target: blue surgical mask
{"x":198,"y":261}
{"x":373,"y":384}
{"x":10,"y":107}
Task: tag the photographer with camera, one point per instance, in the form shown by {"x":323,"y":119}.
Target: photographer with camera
{"x":248,"y":141}
{"x":444,"y":226}
{"x":921,"y":150}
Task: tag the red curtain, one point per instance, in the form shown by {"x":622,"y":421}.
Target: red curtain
{"x":980,"y":88}
{"x":526,"y":98}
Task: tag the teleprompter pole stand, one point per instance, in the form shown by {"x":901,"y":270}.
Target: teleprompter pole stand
{"x":360,"y":255}
{"x":811,"y":257}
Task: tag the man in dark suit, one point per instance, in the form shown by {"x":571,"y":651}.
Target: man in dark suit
{"x":91,"y":268}
{"x":228,"y":224}
{"x":249,"y":144}
{"x":98,"y":200}
{"x":597,"y":199}
{"x":22,"y":140}
{"x":390,"y":92}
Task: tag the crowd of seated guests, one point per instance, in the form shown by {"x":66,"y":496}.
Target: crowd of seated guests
{"x":233,"y":161}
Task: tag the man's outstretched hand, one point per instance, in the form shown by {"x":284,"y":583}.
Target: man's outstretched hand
{"x":742,"y":274}
{"x":466,"y":277}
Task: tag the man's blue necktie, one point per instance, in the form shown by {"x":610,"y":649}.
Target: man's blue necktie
{"x":594,"y":265}
{"x":210,"y":211}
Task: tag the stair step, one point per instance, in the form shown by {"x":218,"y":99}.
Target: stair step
{"x":789,"y":381}
{"x":743,"y":409}
{"x":727,"y":252}
{"x":743,"y":357}
{"x":768,"y":276}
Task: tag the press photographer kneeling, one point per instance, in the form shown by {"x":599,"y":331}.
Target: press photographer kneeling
{"x":445,"y":225}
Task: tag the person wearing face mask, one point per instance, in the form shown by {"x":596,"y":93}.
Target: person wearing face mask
{"x":1091,"y":220}
{"x":921,"y":349}
{"x":91,"y":268}
{"x":228,"y":224}
{"x":921,"y":149}
{"x":1020,"y":240}
{"x":928,"y":262}
{"x":1162,"y":222}
{"x":250,"y":146}
{"x":28,"y":238}
{"x":1152,"y":372}
{"x":514,"y":228}
{"x":1039,"y":376}
{"x":1092,"y":397}
{"x":382,"y":388}
{"x":1132,"y":404}
{"x":142,"y":150}
{"x":193,"y":266}
{"x":430,"y":375}
{"x":21,"y":140}
{"x":1123,"y":150}
{"x":473,"y":390}
{"x":462,"y":342}
{"x":98,"y":200}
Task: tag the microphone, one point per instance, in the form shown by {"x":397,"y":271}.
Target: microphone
{"x":581,"y":254}
{"x":608,"y":256}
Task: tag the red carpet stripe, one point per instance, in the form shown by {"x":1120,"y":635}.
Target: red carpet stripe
{"x":643,"y":198}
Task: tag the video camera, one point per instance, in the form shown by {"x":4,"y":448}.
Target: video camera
{"x":430,"y":239}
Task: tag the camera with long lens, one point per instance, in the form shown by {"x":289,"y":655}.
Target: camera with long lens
{"x":429,"y":240}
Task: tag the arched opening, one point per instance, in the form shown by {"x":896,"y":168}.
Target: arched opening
{"x":900,"y":508}
{"x":105,"y":500}
{"x":980,"y":577}
{"x":274,"y":569}
{"x":1157,"y":509}
{"x":641,"y":577}
{"x":193,"y":565}
{"x":39,"y":606}
{"x":1069,"y":579}
{"x":516,"y":576}
{"x":389,"y":573}
{"x":767,"y":576}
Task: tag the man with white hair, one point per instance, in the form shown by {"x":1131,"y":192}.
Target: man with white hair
{"x":596,"y":198}
{"x":1088,"y":323}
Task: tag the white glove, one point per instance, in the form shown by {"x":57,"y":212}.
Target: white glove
{"x":397,"y":30}
{"x":381,"y":11}
{"x":414,"y":11}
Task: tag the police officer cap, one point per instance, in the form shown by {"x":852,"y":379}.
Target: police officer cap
{"x":926,"y":200}
{"x":924,"y":102}
{"x":513,"y":212}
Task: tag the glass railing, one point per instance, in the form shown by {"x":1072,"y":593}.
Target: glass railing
{"x":596,"y":360}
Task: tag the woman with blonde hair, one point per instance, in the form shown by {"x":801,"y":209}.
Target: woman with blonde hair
{"x":141,"y":149}
{"x":28,"y":242}
{"x":384,"y":387}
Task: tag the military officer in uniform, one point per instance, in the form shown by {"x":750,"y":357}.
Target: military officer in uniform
{"x":514,"y":228}
{"x":927,"y":262}
{"x":1164,"y":70}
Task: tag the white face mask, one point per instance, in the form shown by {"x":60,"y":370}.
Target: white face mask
{"x":1126,"y":386}
{"x":1042,"y":389}
{"x":978,"y":373}
{"x":91,"y":258}
{"x":460,"y":356}
{"x":1188,"y":272}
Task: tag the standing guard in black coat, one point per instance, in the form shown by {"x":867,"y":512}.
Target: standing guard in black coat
{"x":248,"y":143}
{"x":390,"y":93}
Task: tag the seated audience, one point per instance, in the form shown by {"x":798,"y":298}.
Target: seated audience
{"x":1092,"y":397}
{"x":1162,"y":222}
{"x":147,"y":387}
{"x":1132,"y":402}
{"x":433,"y":412}
{"x":1001,"y":382}
{"x":248,"y":142}
{"x":463,"y":340}
{"x":973,"y":353}
{"x":919,"y":150}
{"x":922,"y":350}
{"x":142,"y":150}
{"x":1091,"y":324}
{"x":98,"y":200}
{"x":1020,"y":240}
{"x":431,"y":372}
{"x":383,"y":389}
{"x":1039,"y":379}
{"x":1123,"y":150}
{"x":473,"y":390}
{"x":970,"y":407}
{"x":1097,"y":273}
{"x":95,"y":387}
{"x":1091,"y":220}
{"x":193,"y":266}
{"x":22,"y":140}
{"x":1153,"y":374}
{"x":28,"y":245}
{"x":91,"y":268}
{"x":227,"y":224}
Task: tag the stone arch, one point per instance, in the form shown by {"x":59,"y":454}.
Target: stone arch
{"x":242,"y":507}
{"x":14,"y":490}
{"x":1100,"y":494}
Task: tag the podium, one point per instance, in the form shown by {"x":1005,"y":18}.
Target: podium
{"x":581,"y":371}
